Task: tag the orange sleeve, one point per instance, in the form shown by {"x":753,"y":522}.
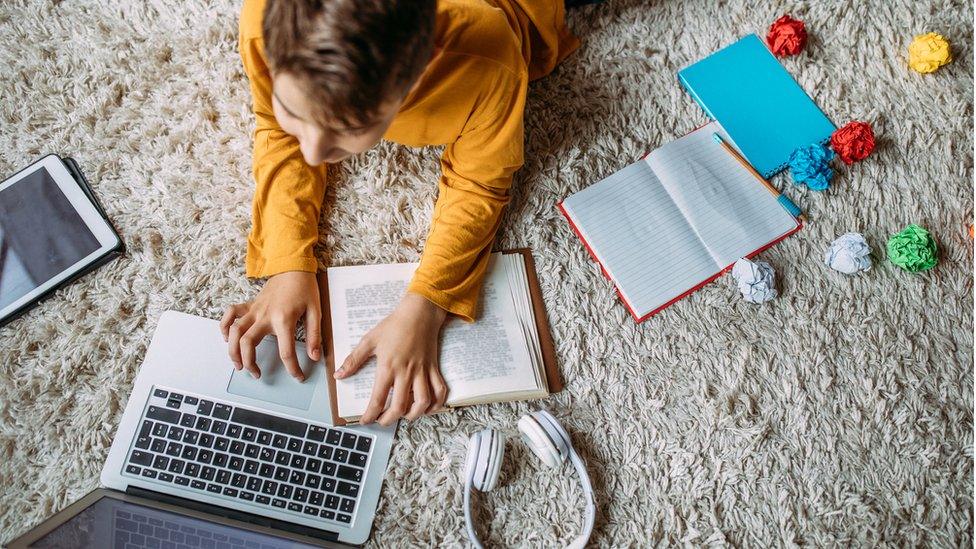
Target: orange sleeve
{"x":472,"y":193}
{"x":288,"y":194}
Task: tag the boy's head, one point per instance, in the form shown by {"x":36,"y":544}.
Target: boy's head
{"x":341,"y":68}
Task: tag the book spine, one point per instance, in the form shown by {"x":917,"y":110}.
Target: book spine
{"x":691,"y":92}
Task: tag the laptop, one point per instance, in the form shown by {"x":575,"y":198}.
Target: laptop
{"x":207,"y":456}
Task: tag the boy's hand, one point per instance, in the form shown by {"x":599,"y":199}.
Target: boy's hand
{"x":285,"y":298}
{"x":406,"y":348}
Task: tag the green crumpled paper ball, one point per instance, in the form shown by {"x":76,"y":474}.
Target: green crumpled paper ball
{"x":913,"y":249}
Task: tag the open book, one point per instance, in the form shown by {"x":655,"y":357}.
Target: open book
{"x":667,"y":225}
{"x":506,"y":354}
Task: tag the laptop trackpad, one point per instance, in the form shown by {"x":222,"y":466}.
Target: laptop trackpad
{"x":276,"y":385}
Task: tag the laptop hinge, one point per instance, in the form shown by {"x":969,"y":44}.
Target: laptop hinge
{"x":232,"y":514}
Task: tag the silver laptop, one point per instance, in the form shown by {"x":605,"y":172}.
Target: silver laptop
{"x":258,"y":455}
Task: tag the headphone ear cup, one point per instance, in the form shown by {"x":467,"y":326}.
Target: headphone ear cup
{"x":472,"y":459}
{"x":488,"y":450}
{"x":495,"y":463}
{"x":536,"y":438}
{"x":557,"y":433}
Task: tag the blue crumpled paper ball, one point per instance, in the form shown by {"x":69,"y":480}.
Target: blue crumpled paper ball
{"x":810,"y":166}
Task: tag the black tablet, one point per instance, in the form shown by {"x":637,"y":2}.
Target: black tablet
{"x":52,"y":230}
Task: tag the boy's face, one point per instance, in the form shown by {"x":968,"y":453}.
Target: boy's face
{"x":293,"y":110}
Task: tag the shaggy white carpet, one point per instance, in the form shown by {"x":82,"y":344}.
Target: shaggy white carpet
{"x":839,"y":414}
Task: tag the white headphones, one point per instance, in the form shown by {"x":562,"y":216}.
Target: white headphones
{"x":548,"y":440}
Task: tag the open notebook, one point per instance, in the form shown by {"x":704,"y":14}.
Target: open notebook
{"x":506,"y":354}
{"x":665,"y":226}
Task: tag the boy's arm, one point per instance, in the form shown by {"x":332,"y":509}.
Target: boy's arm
{"x":287,"y":201}
{"x":473,"y":191}
{"x":288,"y":193}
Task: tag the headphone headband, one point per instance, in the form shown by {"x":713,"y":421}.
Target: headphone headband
{"x":549,"y":441}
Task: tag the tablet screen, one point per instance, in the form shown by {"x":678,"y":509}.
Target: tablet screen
{"x":41,"y":235}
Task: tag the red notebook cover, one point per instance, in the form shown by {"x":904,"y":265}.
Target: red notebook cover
{"x":799,"y":225}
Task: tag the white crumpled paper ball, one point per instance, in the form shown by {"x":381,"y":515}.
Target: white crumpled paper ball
{"x":849,"y":254}
{"x":756,"y":280}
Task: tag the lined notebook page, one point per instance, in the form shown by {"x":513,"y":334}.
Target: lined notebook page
{"x":640,"y":237}
{"x":729,"y":209}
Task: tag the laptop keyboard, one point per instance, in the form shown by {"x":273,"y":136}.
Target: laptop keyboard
{"x":241,"y":454}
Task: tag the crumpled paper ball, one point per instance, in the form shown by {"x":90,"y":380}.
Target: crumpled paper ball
{"x":928,"y":52}
{"x":853,"y":142}
{"x":810,"y":166}
{"x":849,"y":254}
{"x":913,"y":249}
{"x":756,"y":280}
{"x":786,"y":36}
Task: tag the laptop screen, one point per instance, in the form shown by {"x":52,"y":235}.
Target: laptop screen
{"x":118,"y":524}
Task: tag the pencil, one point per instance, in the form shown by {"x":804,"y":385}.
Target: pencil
{"x":786,"y":202}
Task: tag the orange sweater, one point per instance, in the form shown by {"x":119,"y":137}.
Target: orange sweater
{"x":471,"y":99}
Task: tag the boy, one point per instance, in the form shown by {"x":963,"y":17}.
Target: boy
{"x":329,"y":79}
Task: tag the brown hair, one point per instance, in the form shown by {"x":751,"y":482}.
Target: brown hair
{"x":349,"y":56}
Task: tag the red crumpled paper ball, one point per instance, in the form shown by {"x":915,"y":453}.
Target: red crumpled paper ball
{"x":786,"y":36}
{"x":853,"y":142}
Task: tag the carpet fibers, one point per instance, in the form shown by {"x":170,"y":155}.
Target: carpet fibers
{"x":839,"y":414}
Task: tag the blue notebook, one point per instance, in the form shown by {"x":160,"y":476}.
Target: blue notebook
{"x":765,"y":112}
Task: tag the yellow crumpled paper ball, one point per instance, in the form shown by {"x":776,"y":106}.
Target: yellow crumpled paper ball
{"x":928,"y":52}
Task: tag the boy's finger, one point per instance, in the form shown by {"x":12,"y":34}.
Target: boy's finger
{"x":249,"y":341}
{"x":225,"y":321}
{"x":439,"y":387}
{"x":359,"y":355}
{"x":230,"y":315}
{"x":381,"y":391}
{"x":285,"y":332}
{"x":400,"y":403}
{"x":234,"y":333}
{"x":313,"y":332}
{"x":421,"y":397}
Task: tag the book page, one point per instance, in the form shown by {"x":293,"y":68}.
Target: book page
{"x":730,"y":210}
{"x":522,"y":299}
{"x":489,"y":356}
{"x":640,"y":237}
